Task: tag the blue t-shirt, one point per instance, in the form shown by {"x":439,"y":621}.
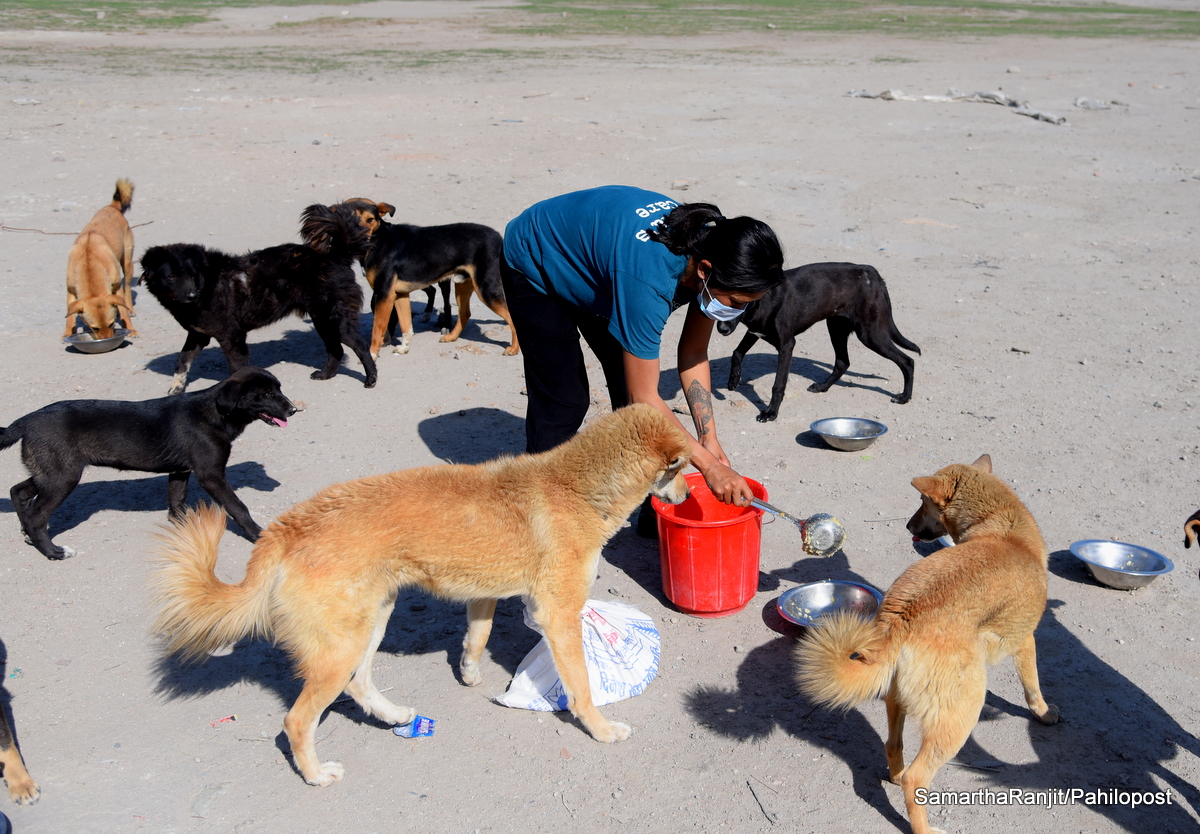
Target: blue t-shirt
{"x":590,"y":248}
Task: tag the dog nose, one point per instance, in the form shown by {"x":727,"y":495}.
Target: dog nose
{"x":291,"y":409}
{"x":191,"y":296}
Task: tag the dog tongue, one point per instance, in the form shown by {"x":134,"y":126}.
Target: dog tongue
{"x":276,"y":421}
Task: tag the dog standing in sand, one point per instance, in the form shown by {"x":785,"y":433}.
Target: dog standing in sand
{"x":323,"y":578}
{"x":941,"y":624}
{"x":100,"y":267}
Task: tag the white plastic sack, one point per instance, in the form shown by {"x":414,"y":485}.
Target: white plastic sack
{"x":620,"y":646}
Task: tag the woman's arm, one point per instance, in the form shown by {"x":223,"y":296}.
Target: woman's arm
{"x":641,"y":379}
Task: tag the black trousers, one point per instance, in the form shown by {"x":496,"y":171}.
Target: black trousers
{"x":555,"y":374}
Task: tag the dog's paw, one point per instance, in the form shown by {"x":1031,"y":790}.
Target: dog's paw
{"x":471,"y":676}
{"x":1050,"y":716}
{"x":60,"y":552}
{"x":400,"y":349}
{"x":615,"y":731}
{"x":321,"y":375}
{"x":511,"y":350}
{"x":767,"y":416}
{"x":734,"y":382}
{"x":327,"y":774}
{"x":900,"y":399}
{"x":177,"y":387}
{"x":818,"y":388}
{"x":24,"y":791}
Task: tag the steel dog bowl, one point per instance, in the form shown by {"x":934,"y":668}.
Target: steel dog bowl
{"x":1121,"y":565}
{"x":808,"y":603}
{"x":849,"y":433}
{"x":87,"y":343}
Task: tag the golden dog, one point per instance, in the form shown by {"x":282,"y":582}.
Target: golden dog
{"x":323,"y":578}
{"x":98,"y":258}
{"x":941,"y":624}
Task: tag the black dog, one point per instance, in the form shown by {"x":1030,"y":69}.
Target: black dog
{"x":219,"y":296}
{"x":177,"y":435}
{"x":849,"y":297}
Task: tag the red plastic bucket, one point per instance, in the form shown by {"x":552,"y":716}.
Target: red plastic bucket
{"x":709,"y":550}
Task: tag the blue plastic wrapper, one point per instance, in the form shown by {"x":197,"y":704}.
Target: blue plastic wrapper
{"x":419,"y":728}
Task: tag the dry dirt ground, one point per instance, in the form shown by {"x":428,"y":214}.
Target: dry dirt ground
{"x":1045,"y":270}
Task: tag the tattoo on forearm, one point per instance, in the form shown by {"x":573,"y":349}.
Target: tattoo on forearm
{"x":700,"y":401}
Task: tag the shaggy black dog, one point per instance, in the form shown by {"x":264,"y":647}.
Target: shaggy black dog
{"x":223,"y":297}
{"x":850,"y":298}
{"x":177,"y":435}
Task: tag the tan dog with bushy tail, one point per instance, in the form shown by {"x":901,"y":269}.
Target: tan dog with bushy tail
{"x":941,"y":624}
{"x":323,"y":577}
{"x":101,"y":254}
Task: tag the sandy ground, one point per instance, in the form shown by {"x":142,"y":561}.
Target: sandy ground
{"x":1043,"y":269}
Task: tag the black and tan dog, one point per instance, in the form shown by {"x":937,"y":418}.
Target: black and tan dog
{"x":850,"y":298}
{"x":323,"y":578}
{"x":21,"y":787}
{"x":403,"y":259}
{"x":100,"y":268}
{"x":218,"y":296}
{"x":1191,"y":528}
{"x":177,"y":435}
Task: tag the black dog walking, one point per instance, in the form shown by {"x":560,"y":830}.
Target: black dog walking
{"x":850,"y":298}
{"x":176,"y":434}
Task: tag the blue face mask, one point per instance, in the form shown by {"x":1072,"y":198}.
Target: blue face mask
{"x":715,"y":310}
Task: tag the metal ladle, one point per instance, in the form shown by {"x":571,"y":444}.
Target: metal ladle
{"x":821,"y":533}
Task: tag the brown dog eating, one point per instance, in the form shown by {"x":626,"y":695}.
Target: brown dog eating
{"x":100,"y":267}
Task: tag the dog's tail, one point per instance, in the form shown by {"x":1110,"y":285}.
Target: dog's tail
{"x":845,"y":660}
{"x":197,"y":612}
{"x":334,"y":231}
{"x":123,"y":196}
{"x":9,"y":435}
{"x":893,"y":330}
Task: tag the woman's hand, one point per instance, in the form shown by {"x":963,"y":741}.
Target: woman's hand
{"x":728,"y":486}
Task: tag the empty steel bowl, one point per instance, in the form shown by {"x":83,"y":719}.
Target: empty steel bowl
{"x":806,"y":604}
{"x":1121,"y":565}
{"x":849,"y":433}
{"x":88,"y":343}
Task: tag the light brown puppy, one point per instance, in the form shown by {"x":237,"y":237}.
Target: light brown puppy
{"x":100,"y":267}
{"x":941,"y":624}
{"x":21,"y":786}
{"x":323,"y":578}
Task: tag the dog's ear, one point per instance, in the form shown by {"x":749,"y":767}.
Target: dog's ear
{"x":228,"y":394}
{"x":984,"y":463}
{"x":75,"y":308}
{"x":935,"y":487}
